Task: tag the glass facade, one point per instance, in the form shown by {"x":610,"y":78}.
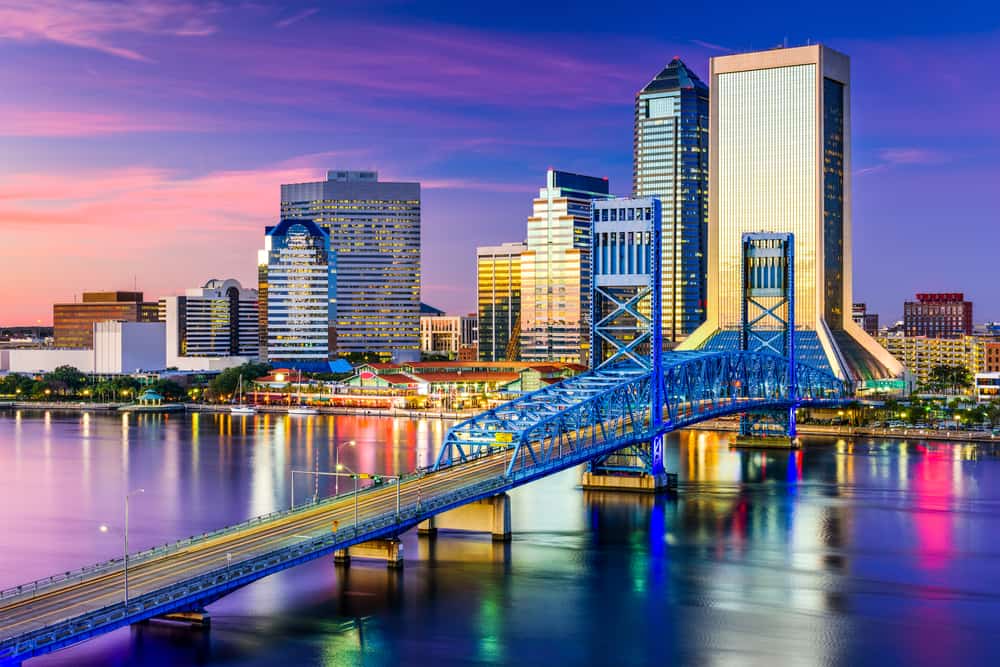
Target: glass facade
{"x":833,"y":201}
{"x":555,"y":270}
{"x":219,"y":319}
{"x":374,"y":230}
{"x":498,"y":286}
{"x":300,"y":294}
{"x":766,"y":179}
{"x":670,"y":161}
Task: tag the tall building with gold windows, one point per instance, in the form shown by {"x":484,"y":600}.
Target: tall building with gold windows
{"x":555,"y":269}
{"x":780,"y":160}
{"x":374,"y":229}
{"x":498,"y":287}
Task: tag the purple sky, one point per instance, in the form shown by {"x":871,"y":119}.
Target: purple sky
{"x":146,"y":140}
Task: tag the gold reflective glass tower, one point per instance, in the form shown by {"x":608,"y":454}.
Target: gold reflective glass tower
{"x":779,"y":151}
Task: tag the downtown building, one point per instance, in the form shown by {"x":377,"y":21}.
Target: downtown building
{"x":498,"y":297}
{"x":374,"y":247}
{"x":942,"y":315}
{"x":670,"y":162}
{"x":779,"y":150}
{"x":555,"y":269}
{"x":73,"y":323}
{"x":211,"y":327}
{"x":298,"y":277}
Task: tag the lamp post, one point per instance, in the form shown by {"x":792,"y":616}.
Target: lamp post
{"x":125,"y":559}
{"x":336,"y":464}
{"x":354,"y":475}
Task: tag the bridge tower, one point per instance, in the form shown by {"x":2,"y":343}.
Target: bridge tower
{"x":767,"y":324}
{"x":627,"y":326}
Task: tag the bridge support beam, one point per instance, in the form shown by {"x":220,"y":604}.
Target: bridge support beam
{"x":629,"y":482}
{"x":390,"y":550}
{"x":489,"y":515}
{"x":196,"y":618}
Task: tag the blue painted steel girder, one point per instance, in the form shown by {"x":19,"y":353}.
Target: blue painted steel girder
{"x":612,"y":406}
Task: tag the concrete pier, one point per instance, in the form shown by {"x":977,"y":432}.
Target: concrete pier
{"x":489,"y":515}
{"x":642,"y":483}
{"x":765,"y":442}
{"x":390,"y":550}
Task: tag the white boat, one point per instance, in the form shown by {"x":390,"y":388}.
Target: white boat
{"x":241,"y":408}
{"x":301,"y":409}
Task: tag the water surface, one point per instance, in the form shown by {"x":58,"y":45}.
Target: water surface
{"x":868,"y":552}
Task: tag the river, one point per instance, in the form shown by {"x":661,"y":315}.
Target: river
{"x":866,"y":552}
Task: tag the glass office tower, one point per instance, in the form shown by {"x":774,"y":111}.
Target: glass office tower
{"x":555,"y":269}
{"x":301,"y":284}
{"x":670,"y":162}
{"x":498,"y":279}
{"x":374,"y":229}
{"x":780,"y":155}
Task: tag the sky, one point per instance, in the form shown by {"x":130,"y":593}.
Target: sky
{"x":143,"y":143}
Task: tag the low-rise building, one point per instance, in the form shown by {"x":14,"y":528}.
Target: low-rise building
{"x":987,"y":387}
{"x":920,"y":354}
{"x":119,"y":348}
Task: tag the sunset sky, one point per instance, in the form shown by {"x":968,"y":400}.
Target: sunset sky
{"x":144,"y":142}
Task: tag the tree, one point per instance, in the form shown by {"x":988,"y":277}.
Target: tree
{"x":225,"y":383}
{"x":950,"y":377}
{"x":67,"y":377}
{"x":169,"y":389}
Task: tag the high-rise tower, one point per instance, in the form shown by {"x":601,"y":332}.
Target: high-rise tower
{"x":374,"y":230}
{"x":670,"y":162}
{"x":555,"y":269}
{"x":780,"y":156}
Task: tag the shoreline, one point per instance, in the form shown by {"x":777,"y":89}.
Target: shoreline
{"x":76,"y":406}
{"x":714,"y":425}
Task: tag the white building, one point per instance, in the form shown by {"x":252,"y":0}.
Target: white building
{"x":119,"y":348}
{"x":211,"y":327}
{"x":987,"y":387}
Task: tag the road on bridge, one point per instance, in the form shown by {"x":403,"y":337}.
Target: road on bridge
{"x":62,"y":602}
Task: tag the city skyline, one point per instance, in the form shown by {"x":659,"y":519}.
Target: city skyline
{"x":126,"y":153}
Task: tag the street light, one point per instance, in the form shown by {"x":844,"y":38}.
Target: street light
{"x":336,"y":464}
{"x":355,"y":476}
{"x":125,"y":559}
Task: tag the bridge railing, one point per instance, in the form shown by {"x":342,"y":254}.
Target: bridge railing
{"x":224,"y":578}
{"x":134,"y":559}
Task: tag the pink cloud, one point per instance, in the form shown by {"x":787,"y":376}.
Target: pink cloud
{"x":26,"y":122}
{"x":94,"y":24}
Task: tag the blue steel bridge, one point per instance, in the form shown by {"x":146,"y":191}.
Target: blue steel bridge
{"x":579,"y":420}
{"x":611,"y":418}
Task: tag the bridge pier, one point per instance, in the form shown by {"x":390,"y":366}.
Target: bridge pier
{"x":390,"y":550}
{"x":629,"y":482}
{"x":489,"y":515}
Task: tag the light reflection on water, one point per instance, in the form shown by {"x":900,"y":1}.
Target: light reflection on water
{"x":847,"y":552}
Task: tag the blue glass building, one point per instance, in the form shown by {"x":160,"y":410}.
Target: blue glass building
{"x":670,"y":161}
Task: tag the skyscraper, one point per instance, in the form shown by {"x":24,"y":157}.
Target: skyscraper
{"x":779,"y":150}
{"x":670,"y":162}
{"x":555,"y":269}
{"x":374,"y":231}
{"x":301,"y":284}
{"x":498,"y":280}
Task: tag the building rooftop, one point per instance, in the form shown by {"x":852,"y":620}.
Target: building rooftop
{"x":674,"y":76}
